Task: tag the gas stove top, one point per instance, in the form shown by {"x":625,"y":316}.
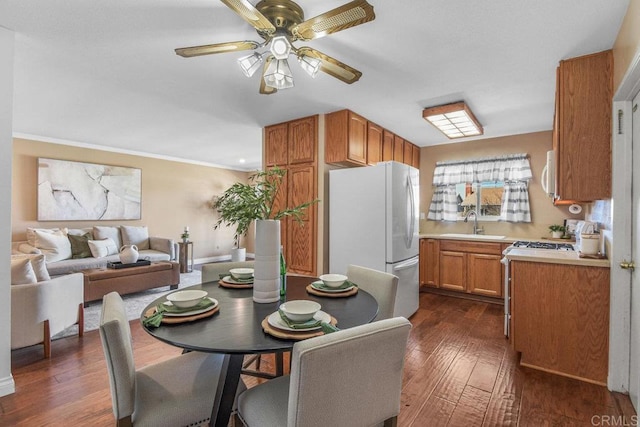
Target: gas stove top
{"x":543,"y":245}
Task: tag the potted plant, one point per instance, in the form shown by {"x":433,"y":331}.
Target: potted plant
{"x":243,"y":203}
{"x":557,"y":231}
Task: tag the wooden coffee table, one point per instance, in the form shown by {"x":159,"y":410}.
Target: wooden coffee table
{"x":100,"y":281}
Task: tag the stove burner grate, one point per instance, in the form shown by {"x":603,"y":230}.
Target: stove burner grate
{"x":543,"y":245}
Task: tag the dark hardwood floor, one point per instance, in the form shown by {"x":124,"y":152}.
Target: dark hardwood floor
{"x":460,"y":371}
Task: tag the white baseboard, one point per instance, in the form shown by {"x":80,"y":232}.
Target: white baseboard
{"x":7,"y":386}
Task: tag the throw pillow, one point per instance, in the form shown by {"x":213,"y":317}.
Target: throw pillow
{"x":113,"y":233}
{"x":80,"y":246}
{"x":54,"y":244}
{"x":102,"y":248}
{"x":38,"y":263}
{"x":22,"y":272}
{"x":138,"y":236}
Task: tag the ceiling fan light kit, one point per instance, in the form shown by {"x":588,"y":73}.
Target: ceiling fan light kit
{"x":250,"y":63}
{"x":281,"y":23}
{"x":278,"y":75}
{"x":454,"y":120}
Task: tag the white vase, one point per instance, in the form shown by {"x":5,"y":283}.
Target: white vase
{"x":266,"y":267}
{"x":238,"y":254}
{"x":556,"y":234}
{"x":128,"y":254}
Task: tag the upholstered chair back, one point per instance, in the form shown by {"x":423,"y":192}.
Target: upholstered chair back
{"x":118,"y":351}
{"x":383,"y":286}
{"x":348,"y":378}
{"x":211,"y":272}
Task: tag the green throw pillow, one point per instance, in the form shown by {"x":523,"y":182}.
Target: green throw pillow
{"x":80,"y":246}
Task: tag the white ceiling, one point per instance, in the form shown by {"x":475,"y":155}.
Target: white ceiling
{"x":104,"y":72}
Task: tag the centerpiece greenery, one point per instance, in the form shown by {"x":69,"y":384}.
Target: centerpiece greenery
{"x":243,"y":203}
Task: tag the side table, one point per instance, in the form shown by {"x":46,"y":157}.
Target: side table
{"x":186,"y":257}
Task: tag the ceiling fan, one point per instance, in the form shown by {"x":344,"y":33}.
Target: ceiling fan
{"x":281,"y":23}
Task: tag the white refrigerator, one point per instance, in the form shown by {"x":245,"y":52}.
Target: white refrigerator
{"x":373,"y":222}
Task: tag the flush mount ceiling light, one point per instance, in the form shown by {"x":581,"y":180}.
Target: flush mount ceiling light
{"x":454,"y":120}
{"x":281,"y":23}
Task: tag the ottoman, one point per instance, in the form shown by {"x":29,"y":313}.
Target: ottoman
{"x":100,"y":281}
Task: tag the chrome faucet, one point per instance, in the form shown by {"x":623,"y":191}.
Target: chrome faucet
{"x":476,"y":229}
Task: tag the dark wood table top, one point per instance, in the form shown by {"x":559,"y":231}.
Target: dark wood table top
{"x":236,"y":328}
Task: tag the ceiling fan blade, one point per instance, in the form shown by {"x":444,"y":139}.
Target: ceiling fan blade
{"x":346,"y":16}
{"x":209,"y":49}
{"x":252,"y":15}
{"x":264,"y":89}
{"x":332,"y":66}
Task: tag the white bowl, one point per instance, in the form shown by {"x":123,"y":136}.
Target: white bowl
{"x":186,"y":299}
{"x":241,"y":273}
{"x":333,"y":280}
{"x":300,"y":310}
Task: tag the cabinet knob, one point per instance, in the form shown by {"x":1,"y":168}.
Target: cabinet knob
{"x":628,"y":265}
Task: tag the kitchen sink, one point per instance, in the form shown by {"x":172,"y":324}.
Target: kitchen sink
{"x":473,"y":236}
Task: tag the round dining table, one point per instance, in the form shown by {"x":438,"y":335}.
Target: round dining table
{"x":235,"y":330}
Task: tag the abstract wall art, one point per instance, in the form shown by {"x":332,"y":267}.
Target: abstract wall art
{"x":75,"y":191}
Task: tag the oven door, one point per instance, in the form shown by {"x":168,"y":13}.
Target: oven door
{"x":506,"y":293}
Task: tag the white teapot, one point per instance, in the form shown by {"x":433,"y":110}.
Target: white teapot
{"x":128,"y":254}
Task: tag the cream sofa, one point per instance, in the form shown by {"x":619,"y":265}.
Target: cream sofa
{"x":65,"y":250}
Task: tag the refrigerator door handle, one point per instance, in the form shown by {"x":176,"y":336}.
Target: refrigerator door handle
{"x":407,"y":264}
{"x":411,"y":216}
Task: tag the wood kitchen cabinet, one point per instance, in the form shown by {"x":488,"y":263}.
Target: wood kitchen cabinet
{"x":398,"y":149}
{"x":294,"y":146}
{"x":560,"y":318}
{"x":345,"y":138}
{"x":471,"y":267}
{"x":582,"y":127}
{"x":468,"y":267}
{"x":374,"y":143}
{"x":429,"y":262}
{"x":291,"y":142}
{"x":415,"y":157}
{"x":387,"y":145}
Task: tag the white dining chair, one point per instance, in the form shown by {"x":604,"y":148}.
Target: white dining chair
{"x":176,"y":392}
{"x":352,"y":377}
{"x":211,"y":271}
{"x":383,"y":286}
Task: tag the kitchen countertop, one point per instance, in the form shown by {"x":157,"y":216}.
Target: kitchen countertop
{"x":472,"y":237}
{"x":555,"y":257}
{"x":531,"y":255}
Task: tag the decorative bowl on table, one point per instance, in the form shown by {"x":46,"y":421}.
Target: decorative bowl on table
{"x":187,"y":299}
{"x":333,"y":280}
{"x":300,"y":310}
{"x":241,"y":273}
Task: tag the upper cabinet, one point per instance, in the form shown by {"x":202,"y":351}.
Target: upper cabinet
{"x":352,"y":140}
{"x":582,"y":127}
{"x":345,"y":138}
{"x":292,"y":142}
{"x":374,"y":143}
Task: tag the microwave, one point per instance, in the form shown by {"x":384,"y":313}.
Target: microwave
{"x":549,"y":175}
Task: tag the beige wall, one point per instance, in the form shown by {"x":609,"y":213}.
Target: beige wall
{"x":543,"y":212}
{"x":174,"y":194}
{"x":627,"y":43}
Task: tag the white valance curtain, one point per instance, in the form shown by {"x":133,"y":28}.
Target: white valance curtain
{"x":514,"y":170}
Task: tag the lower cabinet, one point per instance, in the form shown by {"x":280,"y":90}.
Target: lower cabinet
{"x":462,"y":266}
{"x":560,"y":318}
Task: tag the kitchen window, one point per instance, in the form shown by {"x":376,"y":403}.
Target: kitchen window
{"x":460,"y":186}
{"x":483,"y":197}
